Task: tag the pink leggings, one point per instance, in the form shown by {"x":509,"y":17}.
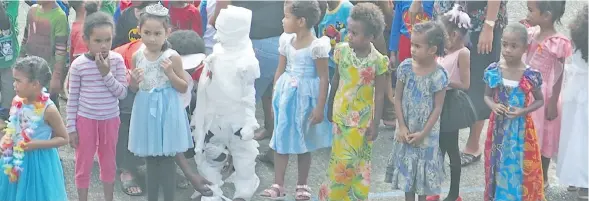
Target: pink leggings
{"x":93,"y":135}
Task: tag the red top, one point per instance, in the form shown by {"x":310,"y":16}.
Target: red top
{"x":124,"y":4}
{"x":77,"y":44}
{"x":187,"y":18}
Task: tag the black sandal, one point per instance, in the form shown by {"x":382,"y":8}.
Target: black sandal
{"x":468,"y":159}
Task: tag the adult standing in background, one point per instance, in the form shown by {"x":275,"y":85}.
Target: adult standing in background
{"x":488,"y":18}
{"x":265,"y":30}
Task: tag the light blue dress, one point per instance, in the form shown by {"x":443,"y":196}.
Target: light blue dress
{"x":159,"y":123}
{"x":42,"y":174}
{"x":295,"y":96}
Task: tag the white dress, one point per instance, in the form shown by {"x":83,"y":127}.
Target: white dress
{"x":572,"y":165}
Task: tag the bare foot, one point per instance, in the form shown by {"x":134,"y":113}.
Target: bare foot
{"x":262,"y":134}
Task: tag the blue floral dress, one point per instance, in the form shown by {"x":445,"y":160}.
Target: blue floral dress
{"x":41,"y":177}
{"x":411,"y":168}
{"x":295,"y":96}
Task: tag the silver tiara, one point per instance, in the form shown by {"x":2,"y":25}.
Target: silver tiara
{"x":157,"y":10}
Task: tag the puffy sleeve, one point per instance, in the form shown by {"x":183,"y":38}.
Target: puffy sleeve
{"x":491,"y":76}
{"x":559,"y":46}
{"x":320,"y":48}
{"x":402,"y":70}
{"x":337,"y":52}
{"x":440,"y":81}
{"x":284,"y":42}
{"x":534,"y":78}
{"x":382,"y":65}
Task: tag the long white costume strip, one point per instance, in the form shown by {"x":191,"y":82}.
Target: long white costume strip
{"x":224,"y":117}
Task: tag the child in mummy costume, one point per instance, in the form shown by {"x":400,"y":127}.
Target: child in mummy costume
{"x":224,"y":118}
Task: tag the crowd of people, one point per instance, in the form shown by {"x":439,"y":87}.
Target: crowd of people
{"x":177,"y":80}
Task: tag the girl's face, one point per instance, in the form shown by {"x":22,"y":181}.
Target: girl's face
{"x":452,"y":38}
{"x":535,"y":16}
{"x":512,"y":47}
{"x":420,"y":49}
{"x":357,"y":36}
{"x":290,"y":22}
{"x":23,"y":86}
{"x":100,"y":40}
{"x":153,"y":34}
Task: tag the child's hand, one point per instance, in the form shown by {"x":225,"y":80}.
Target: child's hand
{"x":415,"y":138}
{"x":515,"y":112}
{"x":74,"y":140}
{"x":103,"y":64}
{"x":54,"y":86}
{"x":29,"y":146}
{"x":402,"y":134}
{"x":167,"y":65}
{"x":371,"y":133}
{"x":137,"y":75}
{"x":316,"y":116}
{"x":499,"y":109}
{"x":551,"y":112}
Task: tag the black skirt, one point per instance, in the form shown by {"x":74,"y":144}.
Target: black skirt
{"x":458,"y":111}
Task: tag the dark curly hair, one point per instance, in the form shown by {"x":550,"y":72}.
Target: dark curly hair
{"x":186,"y":42}
{"x":556,"y":8}
{"x":36,"y":68}
{"x":305,"y":9}
{"x":435,"y":34}
{"x":518,"y":29}
{"x":579,"y":31}
{"x":370,"y":16}
{"x":95,"y":20}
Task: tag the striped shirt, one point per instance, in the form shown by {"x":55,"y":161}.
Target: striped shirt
{"x":90,"y":94}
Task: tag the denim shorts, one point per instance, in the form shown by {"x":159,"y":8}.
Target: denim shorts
{"x":267,"y":54}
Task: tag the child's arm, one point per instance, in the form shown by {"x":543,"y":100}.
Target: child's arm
{"x":552,"y":106}
{"x":249,"y":76}
{"x":175,"y":73}
{"x":322,"y":65}
{"x":23,"y":45}
{"x":395,"y":35}
{"x":380,"y":89}
{"x":332,"y":92}
{"x":497,"y":108}
{"x":281,"y":68}
{"x":61,"y":37}
{"x":59,"y":136}
{"x":402,"y":125}
{"x":73,"y":98}
{"x":464,"y":70}
{"x":117,"y":83}
{"x":538,"y":102}
{"x":134,"y":83}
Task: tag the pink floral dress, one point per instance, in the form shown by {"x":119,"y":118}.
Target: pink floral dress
{"x":548,"y":57}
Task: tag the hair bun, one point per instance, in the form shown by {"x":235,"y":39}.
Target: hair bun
{"x":90,"y":7}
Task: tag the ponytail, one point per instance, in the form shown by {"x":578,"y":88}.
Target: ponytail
{"x":90,"y":7}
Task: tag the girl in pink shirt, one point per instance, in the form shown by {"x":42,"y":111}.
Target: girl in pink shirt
{"x":97,"y":81}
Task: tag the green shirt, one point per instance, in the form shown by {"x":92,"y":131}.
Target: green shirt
{"x":108,"y":6}
{"x":9,"y":47}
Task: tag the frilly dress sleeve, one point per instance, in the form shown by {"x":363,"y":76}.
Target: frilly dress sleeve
{"x":284,"y":42}
{"x":440,"y":80}
{"x":320,"y":48}
{"x":559,"y":46}
{"x":491,"y":76}
{"x":402,"y":70}
{"x":533,"y":80}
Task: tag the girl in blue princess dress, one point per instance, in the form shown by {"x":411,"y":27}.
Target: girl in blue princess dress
{"x":300,"y":93}
{"x":30,"y":161}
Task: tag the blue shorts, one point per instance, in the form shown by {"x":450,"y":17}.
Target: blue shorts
{"x":267,"y":54}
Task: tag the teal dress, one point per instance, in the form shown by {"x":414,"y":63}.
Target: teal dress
{"x":41,"y":177}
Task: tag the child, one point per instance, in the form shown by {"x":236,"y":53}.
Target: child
{"x":184,"y":16}
{"x":9,"y":51}
{"x":97,"y":81}
{"x":159,"y":125}
{"x":31,"y":166}
{"x":228,"y":80}
{"x":300,"y":92}
{"x":512,"y":154}
{"x":77,"y":46}
{"x":457,"y":64}
{"x":127,"y":30}
{"x":546,"y":53}
{"x":571,"y":168}
{"x":415,"y":164}
{"x":356,"y":106}
{"x":46,"y":36}
{"x":335,"y":26}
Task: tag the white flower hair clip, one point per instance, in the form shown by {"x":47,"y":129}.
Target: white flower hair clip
{"x":157,"y":10}
{"x":459,"y":17}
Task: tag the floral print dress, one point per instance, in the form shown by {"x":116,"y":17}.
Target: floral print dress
{"x":513,"y":169}
{"x":418,"y":168}
{"x":349,"y":167}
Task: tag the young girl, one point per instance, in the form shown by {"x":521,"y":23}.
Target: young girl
{"x":512,"y":154}
{"x":457,"y":64}
{"x":546,"y":53}
{"x":416,"y":162}
{"x":97,"y":81}
{"x":356,"y":106}
{"x":159,"y":125}
{"x":571,"y":168}
{"x":31,"y":166}
{"x":300,"y":92}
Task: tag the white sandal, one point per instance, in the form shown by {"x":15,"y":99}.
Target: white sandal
{"x":275,"y":192}
{"x":302,"y":193}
